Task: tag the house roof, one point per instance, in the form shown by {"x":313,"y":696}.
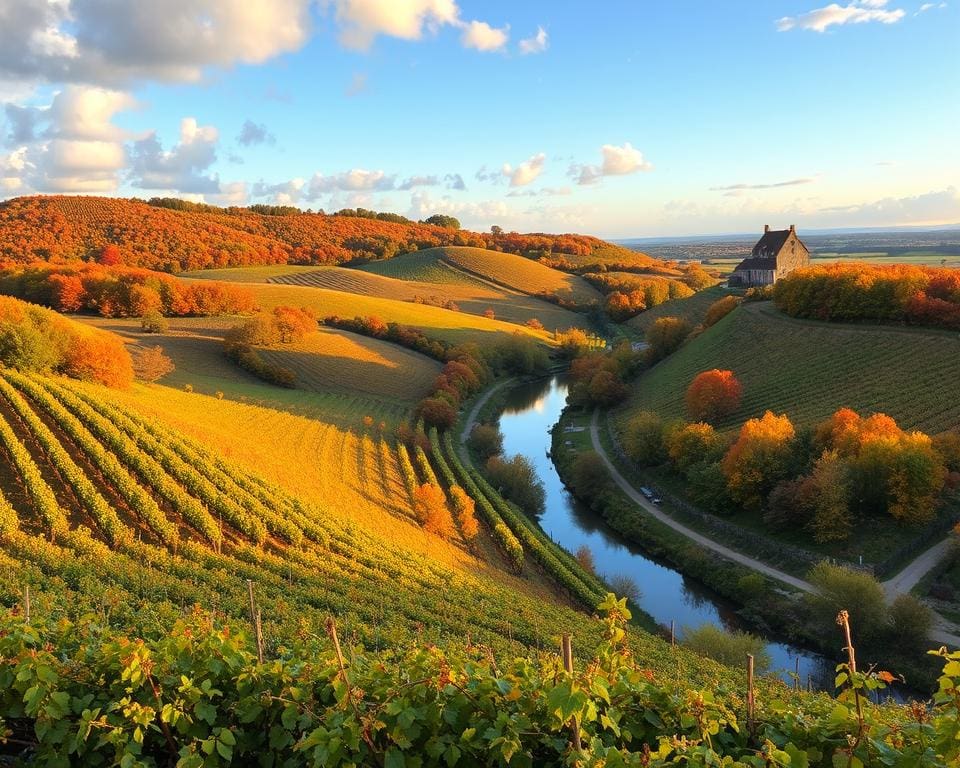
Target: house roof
{"x":771,"y":242}
{"x":765,"y":262}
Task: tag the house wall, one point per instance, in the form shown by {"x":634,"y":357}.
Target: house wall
{"x":792,"y":256}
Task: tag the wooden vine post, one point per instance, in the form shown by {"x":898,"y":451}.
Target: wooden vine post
{"x":255,"y":621}
{"x":751,"y":697}
{"x":567,"y":648}
{"x":673,"y":636}
{"x":26,"y":603}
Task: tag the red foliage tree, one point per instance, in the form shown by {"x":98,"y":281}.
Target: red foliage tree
{"x":712,"y":395}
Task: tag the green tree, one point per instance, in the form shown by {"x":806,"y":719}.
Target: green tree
{"x":441,"y":220}
{"x":839,"y":589}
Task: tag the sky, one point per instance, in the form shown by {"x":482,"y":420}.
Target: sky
{"x":619,"y":119}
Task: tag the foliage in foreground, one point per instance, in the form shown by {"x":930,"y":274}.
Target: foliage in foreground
{"x":74,"y":694}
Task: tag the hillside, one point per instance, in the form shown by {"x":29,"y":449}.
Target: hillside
{"x":69,"y":228}
{"x":808,"y":369}
{"x":463,"y":265}
{"x":466,"y":294}
{"x":693,"y":309}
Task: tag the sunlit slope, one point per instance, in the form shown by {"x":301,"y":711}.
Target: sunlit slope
{"x":693,"y":309}
{"x":452,"y":326}
{"x":503,"y":269}
{"x":808,"y":370}
{"x":331,"y":360}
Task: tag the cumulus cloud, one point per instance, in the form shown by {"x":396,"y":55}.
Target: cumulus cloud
{"x":617,"y":161}
{"x":184,"y":168}
{"x":356,"y":180}
{"x":362,"y":21}
{"x":418,"y":181}
{"x":111,"y":42}
{"x":252,"y":133}
{"x":483,"y":37}
{"x":856,"y":12}
{"x":455,"y":181}
{"x":935,"y":207}
{"x":286,"y":193}
{"x":929,"y":7}
{"x":536,"y":44}
{"x":80,"y":149}
{"x":526,"y":172}
{"x":231,"y":193}
{"x":21,"y":124}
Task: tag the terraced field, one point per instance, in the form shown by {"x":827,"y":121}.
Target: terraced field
{"x":808,"y":370}
{"x":332,"y":360}
{"x":502,"y":269}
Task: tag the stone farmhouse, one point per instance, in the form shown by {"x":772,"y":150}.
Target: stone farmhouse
{"x":775,"y":256}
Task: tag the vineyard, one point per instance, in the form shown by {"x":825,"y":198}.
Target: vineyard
{"x":502,"y":269}
{"x":807,"y":370}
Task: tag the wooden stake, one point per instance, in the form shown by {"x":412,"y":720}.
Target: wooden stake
{"x":750,"y":694}
{"x":673,"y":637}
{"x":797,"y":680}
{"x":26,"y":603}
{"x":365,"y":735}
{"x":567,"y":647}
{"x":255,"y":621}
{"x":843,"y":619}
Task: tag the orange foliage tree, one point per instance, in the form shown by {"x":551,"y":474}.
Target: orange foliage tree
{"x":759,"y":459}
{"x":712,"y":395}
{"x":430,"y":508}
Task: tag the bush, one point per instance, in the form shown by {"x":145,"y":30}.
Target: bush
{"x":720,"y":309}
{"x":154,"y":322}
{"x":430,"y":508}
{"x":589,"y":475}
{"x":517,"y":480}
{"x":727,"y":647}
{"x":843,"y":589}
{"x":910,"y":622}
{"x":643,"y":439}
{"x":486,"y":440}
{"x":625,"y":586}
{"x":584,"y":557}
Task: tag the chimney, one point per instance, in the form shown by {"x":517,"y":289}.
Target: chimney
{"x":793,"y":228}
{"x":766,"y":228}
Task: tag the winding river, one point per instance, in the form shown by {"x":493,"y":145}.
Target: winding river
{"x":530,"y":412}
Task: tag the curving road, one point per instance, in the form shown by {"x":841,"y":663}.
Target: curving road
{"x":943,"y":631}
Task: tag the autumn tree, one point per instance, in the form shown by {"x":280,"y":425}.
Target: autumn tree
{"x":466,"y":512}
{"x":832,"y":520}
{"x":430,"y":509}
{"x":713,"y":395}
{"x":759,"y":459}
{"x":293,"y":324}
{"x":691,"y":444}
{"x":486,"y":440}
{"x":152,"y":364}
{"x":665,"y":337}
{"x":643,"y":439}
{"x":437,"y":412}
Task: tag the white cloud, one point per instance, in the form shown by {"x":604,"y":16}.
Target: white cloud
{"x":483,"y":37}
{"x":184,"y":168}
{"x":617,"y":161}
{"x":285,"y":193}
{"x":856,"y":12}
{"x":929,"y":7}
{"x":733,"y":189}
{"x":231,"y":193}
{"x":356,"y":180}
{"x":526,"y":172}
{"x":117,"y":41}
{"x":935,"y":207}
{"x":536,"y":44}
{"x":361,"y":21}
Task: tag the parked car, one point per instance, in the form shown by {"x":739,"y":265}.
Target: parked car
{"x":647,"y":492}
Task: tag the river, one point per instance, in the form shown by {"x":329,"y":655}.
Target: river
{"x":530,"y":412}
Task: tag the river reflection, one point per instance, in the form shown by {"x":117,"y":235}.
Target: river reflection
{"x":531,"y":411}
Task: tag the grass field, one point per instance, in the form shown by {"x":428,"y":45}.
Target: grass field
{"x":331,"y":360}
{"x":693,"y":308}
{"x":808,"y":370}
{"x":503,"y":269}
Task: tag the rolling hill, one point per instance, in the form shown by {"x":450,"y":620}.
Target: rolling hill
{"x":200,"y":237}
{"x":463,"y":265}
{"x":693,"y":309}
{"x":809,"y":369}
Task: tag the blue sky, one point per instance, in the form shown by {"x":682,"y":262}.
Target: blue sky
{"x":618,"y":118}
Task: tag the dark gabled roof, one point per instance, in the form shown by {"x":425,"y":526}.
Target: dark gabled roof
{"x":769,"y":262}
{"x":771,"y":243}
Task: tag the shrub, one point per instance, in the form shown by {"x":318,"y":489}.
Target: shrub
{"x":437,"y":412}
{"x":430,"y":508}
{"x":625,"y":586}
{"x":713,"y":395}
{"x":910,"y":622}
{"x":151,"y":364}
{"x":465,"y":508}
{"x":843,"y":589}
{"x":720,"y":309}
{"x":589,"y":475}
{"x":154,"y":322}
{"x":584,"y":557}
{"x":518,"y":481}
{"x":486,"y":440}
{"x":727,"y":647}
